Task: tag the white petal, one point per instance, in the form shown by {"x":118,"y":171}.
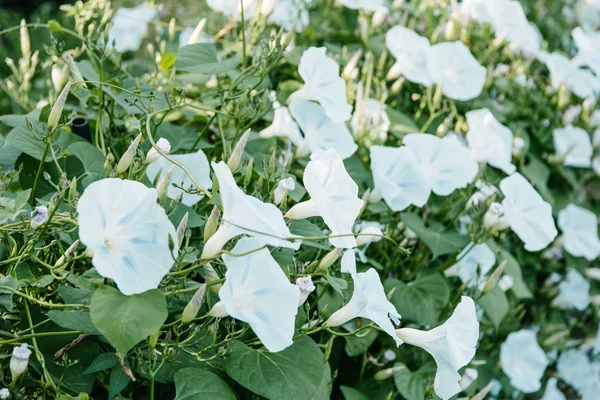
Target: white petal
{"x":574,"y":292}
{"x":489,"y":140}
{"x":411,"y":51}
{"x":283,"y":126}
{"x":367,"y":5}
{"x":523,"y":361}
{"x":580,"y":231}
{"x":473,"y":259}
{"x":552,"y":392}
{"x":576,"y":144}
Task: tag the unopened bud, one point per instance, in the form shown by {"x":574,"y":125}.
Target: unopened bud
{"x":350,"y":72}
{"x":59,"y":76}
{"x":387,"y":373}
{"x":506,"y":283}
{"x":191,"y":309}
{"x":57,"y":108}
{"x":283,"y":187}
{"x":67,"y":254}
{"x":39,"y":216}
{"x":153,"y":154}
{"x":305,"y":286}
{"x":182,"y":227}
{"x":25,"y":43}
{"x":212,"y":223}
{"x":195,"y":36}
{"x":494,"y":218}
{"x":172,"y":29}
{"x":73,"y":189}
{"x":19,"y":360}
{"x":163,"y":185}
{"x":493,"y":279}
{"x":210,"y":275}
{"x":236,"y":157}
{"x":127,"y":159}
{"x":330,"y":259}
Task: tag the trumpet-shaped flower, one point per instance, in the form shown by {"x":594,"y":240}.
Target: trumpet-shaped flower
{"x":129,"y":234}
{"x":564,"y":72}
{"x":368,"y":301}
{"x":411,"y":52}
{"x":452,"y":345}
{"x":320,"y":132}
{"x":129,"y":26}
{"x":552,"y":392}
{"x":398,"y":177}
{"x":575,"y":368}
{"x":447,"y":164}
{"x":257,"y":291}
{"x":489,"y":140}
{"x":367,"y":5}
{"x":196,"y":163}
{"x":233,"y":8}
{"x":523,"y":360}
{"x":474,"y":262}
{"x":334,"y":197}
{"x":283,"y":125}
{"x":244,"y":214}
{"x":574,"y":292}
{"x":290,"y":13}
{"x":589,"y":49}
{"x":580,"y":231}
{"x":510,"y":22}
{"x":452,"y":65}
{"x":322,"y":83}
{"x":528,"y":215}
{"x":575,"y":144}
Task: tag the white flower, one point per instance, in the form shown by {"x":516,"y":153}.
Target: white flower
{"x":562,"y":71}
{"x":529,"y":216}
{"x":39,"y":216}
{"x":494,"y":218}
{"x":368,"y":301}
{"x":575,"y":368}
{"x":370,"y":118}
{"x":322,"y":82}
{"x":398,"y":177}
{"x":596,"y":165}
{"x":284,"y":186}
{"x":128,"y":233}
{"x":523,"y":360}
{"x":320,"y":132}
{"x":411,"y":52}
{"x":368,"y":235}
{"x":589,"y":48}
{"x":19,"y":360}
{"x":510,"y":23}
{"x":489,"y":140}
{"x":196,"y":163}
{"x":245,"y":215}
{"x":305,"y":287}
{"x":580,"y":231}
{"x":283,"y":125}
{"x":194,"y":35}
{"x":506,"y":283}
{"x":452,"y":65}
{"x":4,"y":393}
{"x":575,"y":143}
{"x":475,"y":9}
{"x":468,"y":378}
{"x":367,"y":5}
{"x":451,"y":344}
{"x":552,"y":392}
{"x":153,"y":155}
{"x":257,"y":291}
{"x":129,"y":26}
{"x":447,"y":164}
{"x":334,"y":197}
{"x":473,"y":265}
{"x":233,"y":8}
{"x":571,"y":113}
{"x":574,"y":292}
{"x":287,"y":12}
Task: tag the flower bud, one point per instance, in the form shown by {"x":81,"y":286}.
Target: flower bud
{"x":59,"y":76}
{"x":39,"y":216}
{"x":593,"y":273}
{"x":210,"y":275}
{"x":182,"y":227}
{"x":330,"y":259}
{"x":476,"y":198}
{"x":350,"y":72}
{"x":73,"y":189}
{"x":374,"y":196}
{"x":506,"y":283}
{"x":494,"y":218}
{"x":236,"y":157}
{"x":305,"y":287}
{"x":25,"y":43}
{"x":191,"y":309}
{"x":57,"y":108}
{"x":171,"y":30}
{"x":67,"y":254}
{"x":518,"y":146}
{"x":367,"y":235}
{"x":19,"y":360}
{"x":212,"y":223}
{"x":153,"y":154}
{"x":303,"y":149}
{"x":153,"y":339}
{"x":379,"y":16}
{"x":75,"y":73}
{"x":127,"y":159}
{"x":387,"y":373}
{"x":493,"y":279}
{"x":195,"y":36}
{"x":4,"y":394}
{"x":163,"y":185}
{"x":284,"y":186}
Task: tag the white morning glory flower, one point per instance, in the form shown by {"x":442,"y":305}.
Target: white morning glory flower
{"x":39,"y":216}
{"x":473,"y":265}
{"x":196,"y":164}
{"x":398,"y":177}
{"x":452,"y":65}
{"x":283,"y":125}
{"x":245,"y":215}
{"x":163,"y":145}
{"x":286,"y":13}
{"x":528,"y":215}
{"x":523,"y":360}
{"x":552,"y":392}
{"x":452,"y":345}
{"x":283,"y":186}
{"x":489,"y":140}
{"x":574,"y":292}
{"x":368,"y":301}
{"x":233,"y":8}
{"x":562,"y":71}
{"x":334,"y":197}
{"x":322,"y":83}
{"x":589,"y":48}
{"x":19,"y":360}
{"x":475,"y":9}
{"x":129,"y":26}
{"x":576,"y":144}
{"x":257,"y":291}
{"x":4,"y":394}
{"x":447,"y":164}
{"x":305,"y":287}
{"x":411,"y":52}
{"x":367,"y":5}
{"x":575,"y":368}
{"x":128,"y":233}
{"x":510,"y":22}
{"x":320,"y":132}
{"x":580,"y":231}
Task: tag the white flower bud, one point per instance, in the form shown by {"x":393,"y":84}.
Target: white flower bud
{"x":389,"y":355}
{"x":284,"y":186}
{"x":494,"y":218}
{"x":506,"y":282}
{"x":518,"y":146}
{"x":153,"y":154}
{"x":350,"y":72}
{"x":305,"y":287}
{"x":182,"y":227}
{"x":212,"y":223}
{"x":330,"y":259}
{"x":236,"y":157}
{"x":19,"y":360}
{"x":4,"y":394}
{"x":570,"y":114}
{"x":210,"y":275}
{"x":303,"y":149}
{"x":374,"y":196}
{"x":476,"y":198}
{"x":59,"y":76}
{"x":127,"y":159}
{"x":67,"y":254}
{"x":75,"y":73}
{"x":163,"y":184}
{"x":25,"y":43}
{"x":593,"y":273}
{"x":367,"y":235}
{"x":39,"y":216}
{"x":57,"y":108}
{"x":171,"y":31}
{"x":379,"y":16}
{"x":195,"y":36}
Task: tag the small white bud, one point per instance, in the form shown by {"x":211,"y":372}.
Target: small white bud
{"x":571,"y":113}
{"x":4,"y":394}
{"x":350,"y":72}
{"x":75,"y":73}
{"x":163,"y":185}
{"x":59,"y":76}
{"x":172,"y":29}
{"x":476,"y":198}
{"x":369,"y":234}
{"x":25,"y":43}
{"x":374,"y":196}
{"x":379,"y":16}
{"x":57,"y":108}
{"x":284,"y":186}
{"x":236,"y":157}
{"x":212,"y":223}
{"x":330,"y":259}
{"x":182,"y":227}
{"x":389,"y":355}
{"x":19,"y":360}
{"x":305,"y":287}
{"x":210,"y":275}
{"x":127,"y":159}
{"x":163,"y":145}
{"x":39,"y":216}
{"x":506,"y":282}
{"x":518,"y":146}
{"x":195,"y":36}
{"x":67,"y":254}
{"x":593,"y":273}
{"x":494,"y":218}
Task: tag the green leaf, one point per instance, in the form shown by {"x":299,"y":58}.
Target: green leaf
{"x":538,"y":173}
{"x":324,"y":390}
{"x":412,"y":385}
{"x":73,"y":320}
{"x":117,"y":382}
{"x":12,"y":207}
{"x":352,"y":394}
{"x":92,"y":160}
{"x":23,"y":139}
{"x":358,"y":344}
{"x":198,"y":384}
{"x":294,"y":373}
{"x":6,"y":296}
{"x":439,"y":243}
{"x":72,"y":295}
{"x":103,"y":362}
{"x":127,"y":320}
{"x":400,"y":124}
{"x":495,"y":305}
{"x":422,"y":300}
{"x":512,"y":268}
{"x":201,"y":58}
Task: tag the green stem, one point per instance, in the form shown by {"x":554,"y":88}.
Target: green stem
{"x":39,"y":171}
